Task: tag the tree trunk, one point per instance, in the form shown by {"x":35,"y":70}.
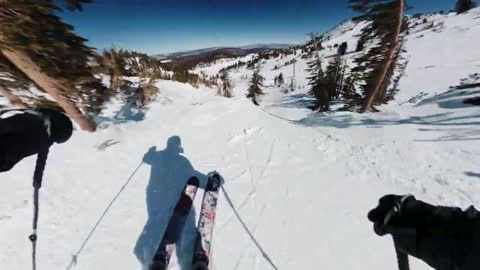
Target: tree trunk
{"x":12,"y":98}
{"x":50,"y":85}
{"x":389,"y":57}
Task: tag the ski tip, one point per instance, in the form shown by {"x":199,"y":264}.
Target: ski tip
{"x":158,"y":265}
{"x":193,"y":181}
{"x":214,"y":181}
{"x":201,"y":265}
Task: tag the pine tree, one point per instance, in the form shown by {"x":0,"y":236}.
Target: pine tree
{"x":149,"y":71}
{"x":315,"y":70}
{"x":51,"y":55}
{"x":113,"y":63}
{"x":349,"y":89}
{"x":315,"y":43}
{"x":360,"y":45}
{"x":225,"y":87}
{"x":342,"y":49}
{"x":386,"y":23}
{"x":255,"y":90}
{"x":318,"y":87}
{"x":280,"y":80}
{"x":335,"y":78}
{"x":76,"y":4}
{"x":13,"y":80}
{"x":464,"y":6}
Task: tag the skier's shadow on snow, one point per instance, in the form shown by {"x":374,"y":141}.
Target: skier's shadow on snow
{"x":170,"y":172}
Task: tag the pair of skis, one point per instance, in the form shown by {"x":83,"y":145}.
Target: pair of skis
{"x":201,"y":258}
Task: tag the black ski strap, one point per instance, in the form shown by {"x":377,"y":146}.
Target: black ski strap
{"x":33,"y":236}
{"x":402,"y":259}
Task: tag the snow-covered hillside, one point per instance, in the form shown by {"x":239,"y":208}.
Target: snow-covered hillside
{"x":298,"y":184}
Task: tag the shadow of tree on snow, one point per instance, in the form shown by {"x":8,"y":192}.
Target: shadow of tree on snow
{"x":472,"y":174}
{"x":349,"y":120}
{"x":295,"y":101}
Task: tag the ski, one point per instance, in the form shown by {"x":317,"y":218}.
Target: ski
{"x":201,"y":259}
{"x":175,"y":226}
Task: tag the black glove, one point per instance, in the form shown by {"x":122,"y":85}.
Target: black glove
{"x":440,"y":236}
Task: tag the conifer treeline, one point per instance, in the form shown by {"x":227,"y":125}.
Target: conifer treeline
{"x":330,"y":84}
{"x":38,"y":49}
{"x":373,"y":70}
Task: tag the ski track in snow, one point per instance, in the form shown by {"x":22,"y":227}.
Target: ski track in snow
{"x":299,"y":184}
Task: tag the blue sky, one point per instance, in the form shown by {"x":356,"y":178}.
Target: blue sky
{"x":162,"y":26}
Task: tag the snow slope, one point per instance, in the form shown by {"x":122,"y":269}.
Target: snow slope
{"x":298,"y":185}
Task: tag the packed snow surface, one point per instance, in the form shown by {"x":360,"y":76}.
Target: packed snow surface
{"x":298,"y":184}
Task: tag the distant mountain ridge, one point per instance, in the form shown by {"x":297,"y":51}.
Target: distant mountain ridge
{"x":223,"y":48}
{"x":190,"y":59}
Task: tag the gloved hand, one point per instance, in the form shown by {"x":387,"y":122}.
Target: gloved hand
{"x":6,"y":164}
{"x":387,"y":213}
{"x":443,"y":237}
